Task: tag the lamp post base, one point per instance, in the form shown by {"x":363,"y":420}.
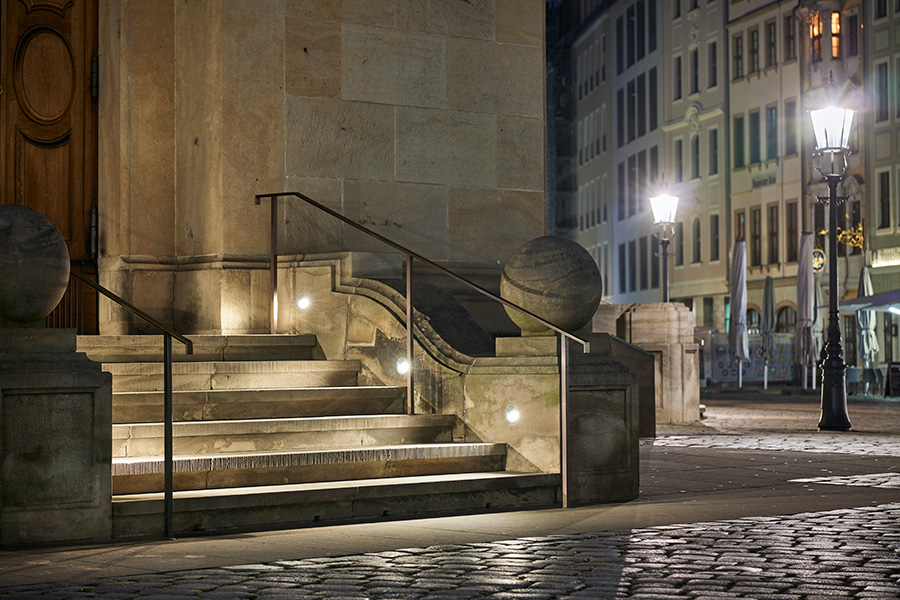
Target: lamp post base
{"x":834,"y":399}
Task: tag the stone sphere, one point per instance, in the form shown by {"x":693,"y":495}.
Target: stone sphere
{"x":34,"y":264}
{"x":554,"y":278}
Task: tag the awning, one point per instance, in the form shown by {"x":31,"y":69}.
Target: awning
{"x":883,"y":302}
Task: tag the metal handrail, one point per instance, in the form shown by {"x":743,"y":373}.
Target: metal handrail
{"x":168,"y":334}
{"x":411,"y":255}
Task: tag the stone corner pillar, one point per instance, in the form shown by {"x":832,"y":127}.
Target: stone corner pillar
{"x":667,"y":330}
{"x":55,"y":440}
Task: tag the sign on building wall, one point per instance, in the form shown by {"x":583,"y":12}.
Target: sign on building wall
{"x":781,"y":367}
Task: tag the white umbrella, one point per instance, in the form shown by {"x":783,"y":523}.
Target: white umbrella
{"x":804,"y":340}
{"x":738,"y":339}
{"x":767,"y":327}
{"x":868,"y":341}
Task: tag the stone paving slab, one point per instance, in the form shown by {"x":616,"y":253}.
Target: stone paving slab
{"x":844,"y":443}
{"x":849,"y":553}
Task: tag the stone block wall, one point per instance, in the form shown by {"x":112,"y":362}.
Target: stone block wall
{"x":423,"y":119}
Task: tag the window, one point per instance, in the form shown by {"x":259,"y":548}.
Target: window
{"x":880,"y":9}
{"x":603,"y":128}
{"x":790,"y":127}
{"x":713,"y":151}
{"x":632,"y":266}
{"x":632,"y":110}
{"x":620,"y":122}
{"x":623,"y":270}
{"x":654,"y":262}
{"x":793,"y":233}
{"x":738,"y":57}
{"x":676,"y":9}
{"x":639,"y":24}
{"x":652,"y":97}
{"x":752,"y":320}
{"x":785,"y":319}
{"x":629,"y":23}
{"x":771,"y":132}
{"x":641,"y":181}
{"x":884,"y":199}
{"x":852,"y":27}
{"x":713,"y":238}
{"x":651,"y":26}
{"x":678,"y":159}
{"x":754,"y":137}
{"x":641,"y":104}
{"x":679,"y":244}
{"x":753,"y":53}
{"x":881,"y":92}
{"x":835,"y":34}
{"x":620,"y":189}
{"x":695,"y":255}
{"x":855,"y":219}
{"x":755,"y":237}
{"x":771,"y":45}
{"x":676,"y":79}
{"x":740,"y":226}
{"x":620,"y":45}
{"x":695,"y":157}
{"x":695,"y":71}
{"x":738,"y":142}
{"x":654,"y":164}
{"x":790,"y":48}
{"x":712,"y":65}
{"x":815,"y":34}
{"x":773,"y":234}
{"x":602,"y":60}
{"x":850,"y":339}
{"x":632,"y":186}
{"x":695,"y":4}
{"x":708,"y":319}
{"x":644,"y":260}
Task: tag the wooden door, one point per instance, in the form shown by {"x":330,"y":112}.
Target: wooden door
{"x":48,"y":149}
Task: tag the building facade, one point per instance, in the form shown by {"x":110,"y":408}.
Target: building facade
{"x":735,"y":80}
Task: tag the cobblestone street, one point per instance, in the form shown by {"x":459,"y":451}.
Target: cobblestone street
{"x":783,"y":545}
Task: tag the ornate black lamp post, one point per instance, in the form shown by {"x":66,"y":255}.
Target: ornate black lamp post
{"x":664,"y":207}
{"x":832,"y":129}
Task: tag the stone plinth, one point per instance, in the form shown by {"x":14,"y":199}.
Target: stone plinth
{"x":666,"y":330}
{"x":55,"y":440}
{"x":601,"y":423}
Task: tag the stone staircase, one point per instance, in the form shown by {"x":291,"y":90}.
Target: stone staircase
{"x":267,"y":435}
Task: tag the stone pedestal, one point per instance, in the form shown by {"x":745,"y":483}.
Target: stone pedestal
{"x":666,"y":330}
{"x":55,"y":440}
{"x":601,"y":418}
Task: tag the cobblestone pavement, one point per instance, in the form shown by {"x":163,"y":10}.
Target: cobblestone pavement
{"x":851,"y":553}
{"x":841,"y":443}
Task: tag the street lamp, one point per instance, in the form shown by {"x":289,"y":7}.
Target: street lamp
{"x":832,"y":128}
{"x":664,"y":207}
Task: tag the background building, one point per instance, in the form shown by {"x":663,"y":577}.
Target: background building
{"x":726,"y":129}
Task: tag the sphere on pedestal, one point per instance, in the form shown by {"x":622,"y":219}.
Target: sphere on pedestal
{"x":555,"y":279}
{"x":34,"y":264}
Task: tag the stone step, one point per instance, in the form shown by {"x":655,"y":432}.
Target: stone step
{"x":276,"y":403}
{"x":297,"y":505}
{"x":268,"y":435}
{"x":149,"y":348}
{"x":141,"y":475}
{"x":234,"y":375}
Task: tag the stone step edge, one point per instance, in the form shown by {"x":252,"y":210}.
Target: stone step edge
{"x":231,"y":366}
{"x":368,"y":390}
{"x":268,"y":494}
{"x":262,"y":460}
{"x":282,"y":425}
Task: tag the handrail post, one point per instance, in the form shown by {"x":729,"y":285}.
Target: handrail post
{"x":168,"y":501}
{"x":273,"y":263}
{"x":563,"y":414}
{"x":410,"y":391}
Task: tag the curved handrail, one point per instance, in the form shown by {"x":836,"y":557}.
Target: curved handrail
{"x":585,"y":343}
{"x":168,"y":418}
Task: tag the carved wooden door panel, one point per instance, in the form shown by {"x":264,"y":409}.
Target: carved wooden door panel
{"x":48,"y":130}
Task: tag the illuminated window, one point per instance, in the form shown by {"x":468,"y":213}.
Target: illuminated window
{"x":835,"y":35}
{"x":815,"y":34}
